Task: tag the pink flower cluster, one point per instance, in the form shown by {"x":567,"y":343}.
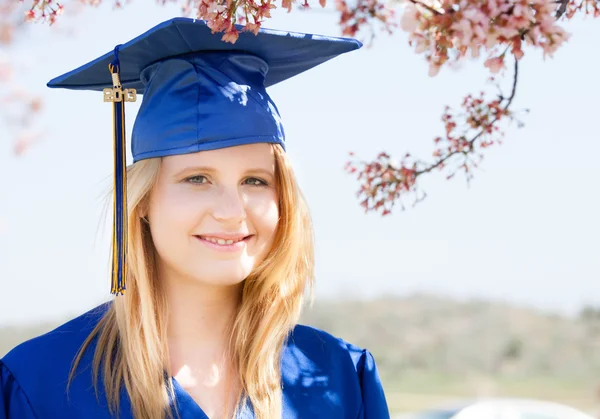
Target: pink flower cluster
{"x":480,"y":119}
{"x":451,"y":29}
{"x":384,"y":182}
{"x":362,"y":13}
{"x":44,"y":10}
{"x":7,"y":22}
{"x":24,"y":108}
{"x":222,"y":15}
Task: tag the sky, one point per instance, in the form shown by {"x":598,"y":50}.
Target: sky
{"x":524,"y":231}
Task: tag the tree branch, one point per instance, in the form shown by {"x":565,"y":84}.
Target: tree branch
{"x":431,"y":9}
{"x":385,"y":182}
{"x":562,"y":8}
{"x":482,"y":131}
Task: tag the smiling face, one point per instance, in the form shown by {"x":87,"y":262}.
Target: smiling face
{"x":213,"y":214}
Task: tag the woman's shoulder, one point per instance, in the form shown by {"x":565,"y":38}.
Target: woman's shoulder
{"x":34,"y":375}
{"x":310,"y":346}
{"x":322,"y":371}
{"x":52,"y":353}
{"x":312,"y":340}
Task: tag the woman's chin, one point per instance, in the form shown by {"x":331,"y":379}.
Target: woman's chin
{"x":222,"y":278}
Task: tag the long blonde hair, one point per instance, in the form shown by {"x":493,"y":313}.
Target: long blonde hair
{"x":131,"y":348}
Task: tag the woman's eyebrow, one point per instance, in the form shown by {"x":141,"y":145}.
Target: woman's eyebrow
{"x":208,"y":169}
{"x":261,"y":170}
{"x":194,"y":169}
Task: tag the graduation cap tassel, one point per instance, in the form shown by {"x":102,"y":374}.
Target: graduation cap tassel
{"x":118,"y":96}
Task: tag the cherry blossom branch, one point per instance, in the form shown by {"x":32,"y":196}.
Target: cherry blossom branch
{"x":386,"y":182}
{"x":460,"y":28}
{"x":486,"y":127}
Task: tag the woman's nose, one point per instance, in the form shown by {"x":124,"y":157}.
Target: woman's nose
{"x":230,"y":205}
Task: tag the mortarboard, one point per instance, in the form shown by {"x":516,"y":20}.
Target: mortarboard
{"x":199,"y":93}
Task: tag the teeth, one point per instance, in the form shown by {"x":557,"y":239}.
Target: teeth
{"x":222,"y":242}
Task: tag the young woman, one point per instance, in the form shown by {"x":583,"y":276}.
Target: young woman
{"x":213,"y":251}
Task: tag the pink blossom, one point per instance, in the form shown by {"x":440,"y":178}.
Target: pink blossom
{"x":287,"y":4}
{"x":434,"y":69}
{"x":516,"y":49}
{"x":495,"y":64}
{"x":6,"y":33}
{"x":29,"y":16}
{"x":231,"y":35}
{"x":421,"y":43}
{"x":409,"y":21}
{"x":252,"y":27}
{"x":214,"y":9}
{"x":24,"y":142}
{"x":452,"y":29}
{"x":265,"y":9}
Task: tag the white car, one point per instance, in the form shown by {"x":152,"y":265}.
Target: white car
{"x":504,"y":409}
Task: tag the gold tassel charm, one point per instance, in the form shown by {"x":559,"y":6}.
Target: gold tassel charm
{"x":118,"y":96}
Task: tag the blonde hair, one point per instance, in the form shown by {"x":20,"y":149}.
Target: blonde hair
{"x":131,"y":347}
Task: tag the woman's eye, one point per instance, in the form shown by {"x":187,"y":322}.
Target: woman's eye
{"x":198,"y":180}
{"x":255,"y":181}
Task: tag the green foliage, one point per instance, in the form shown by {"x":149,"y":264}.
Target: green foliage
{"x":424,"y":333}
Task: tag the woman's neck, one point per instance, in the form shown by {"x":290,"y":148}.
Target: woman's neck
{"x":200,"y":317}
{"x":198,"y":331}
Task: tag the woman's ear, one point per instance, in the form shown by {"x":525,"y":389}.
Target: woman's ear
{"x":142,"y":211}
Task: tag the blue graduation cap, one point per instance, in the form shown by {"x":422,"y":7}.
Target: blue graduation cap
{"x":199,"y":93}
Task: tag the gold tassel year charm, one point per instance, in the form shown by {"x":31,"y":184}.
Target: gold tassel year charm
{"x":118,"y":96}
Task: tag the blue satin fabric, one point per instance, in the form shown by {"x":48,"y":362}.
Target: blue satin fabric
{"x":200,"y":93}
{"x":202,"y":102}
{"x":323,"y":377}
{"x":286,"y":53}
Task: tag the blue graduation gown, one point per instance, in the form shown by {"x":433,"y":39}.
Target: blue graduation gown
{"x":323,"y":378}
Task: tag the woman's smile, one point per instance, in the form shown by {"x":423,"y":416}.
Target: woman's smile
{"x":225,"y":243}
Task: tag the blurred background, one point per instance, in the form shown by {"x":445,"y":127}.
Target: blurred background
{"x":481,"y":290}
